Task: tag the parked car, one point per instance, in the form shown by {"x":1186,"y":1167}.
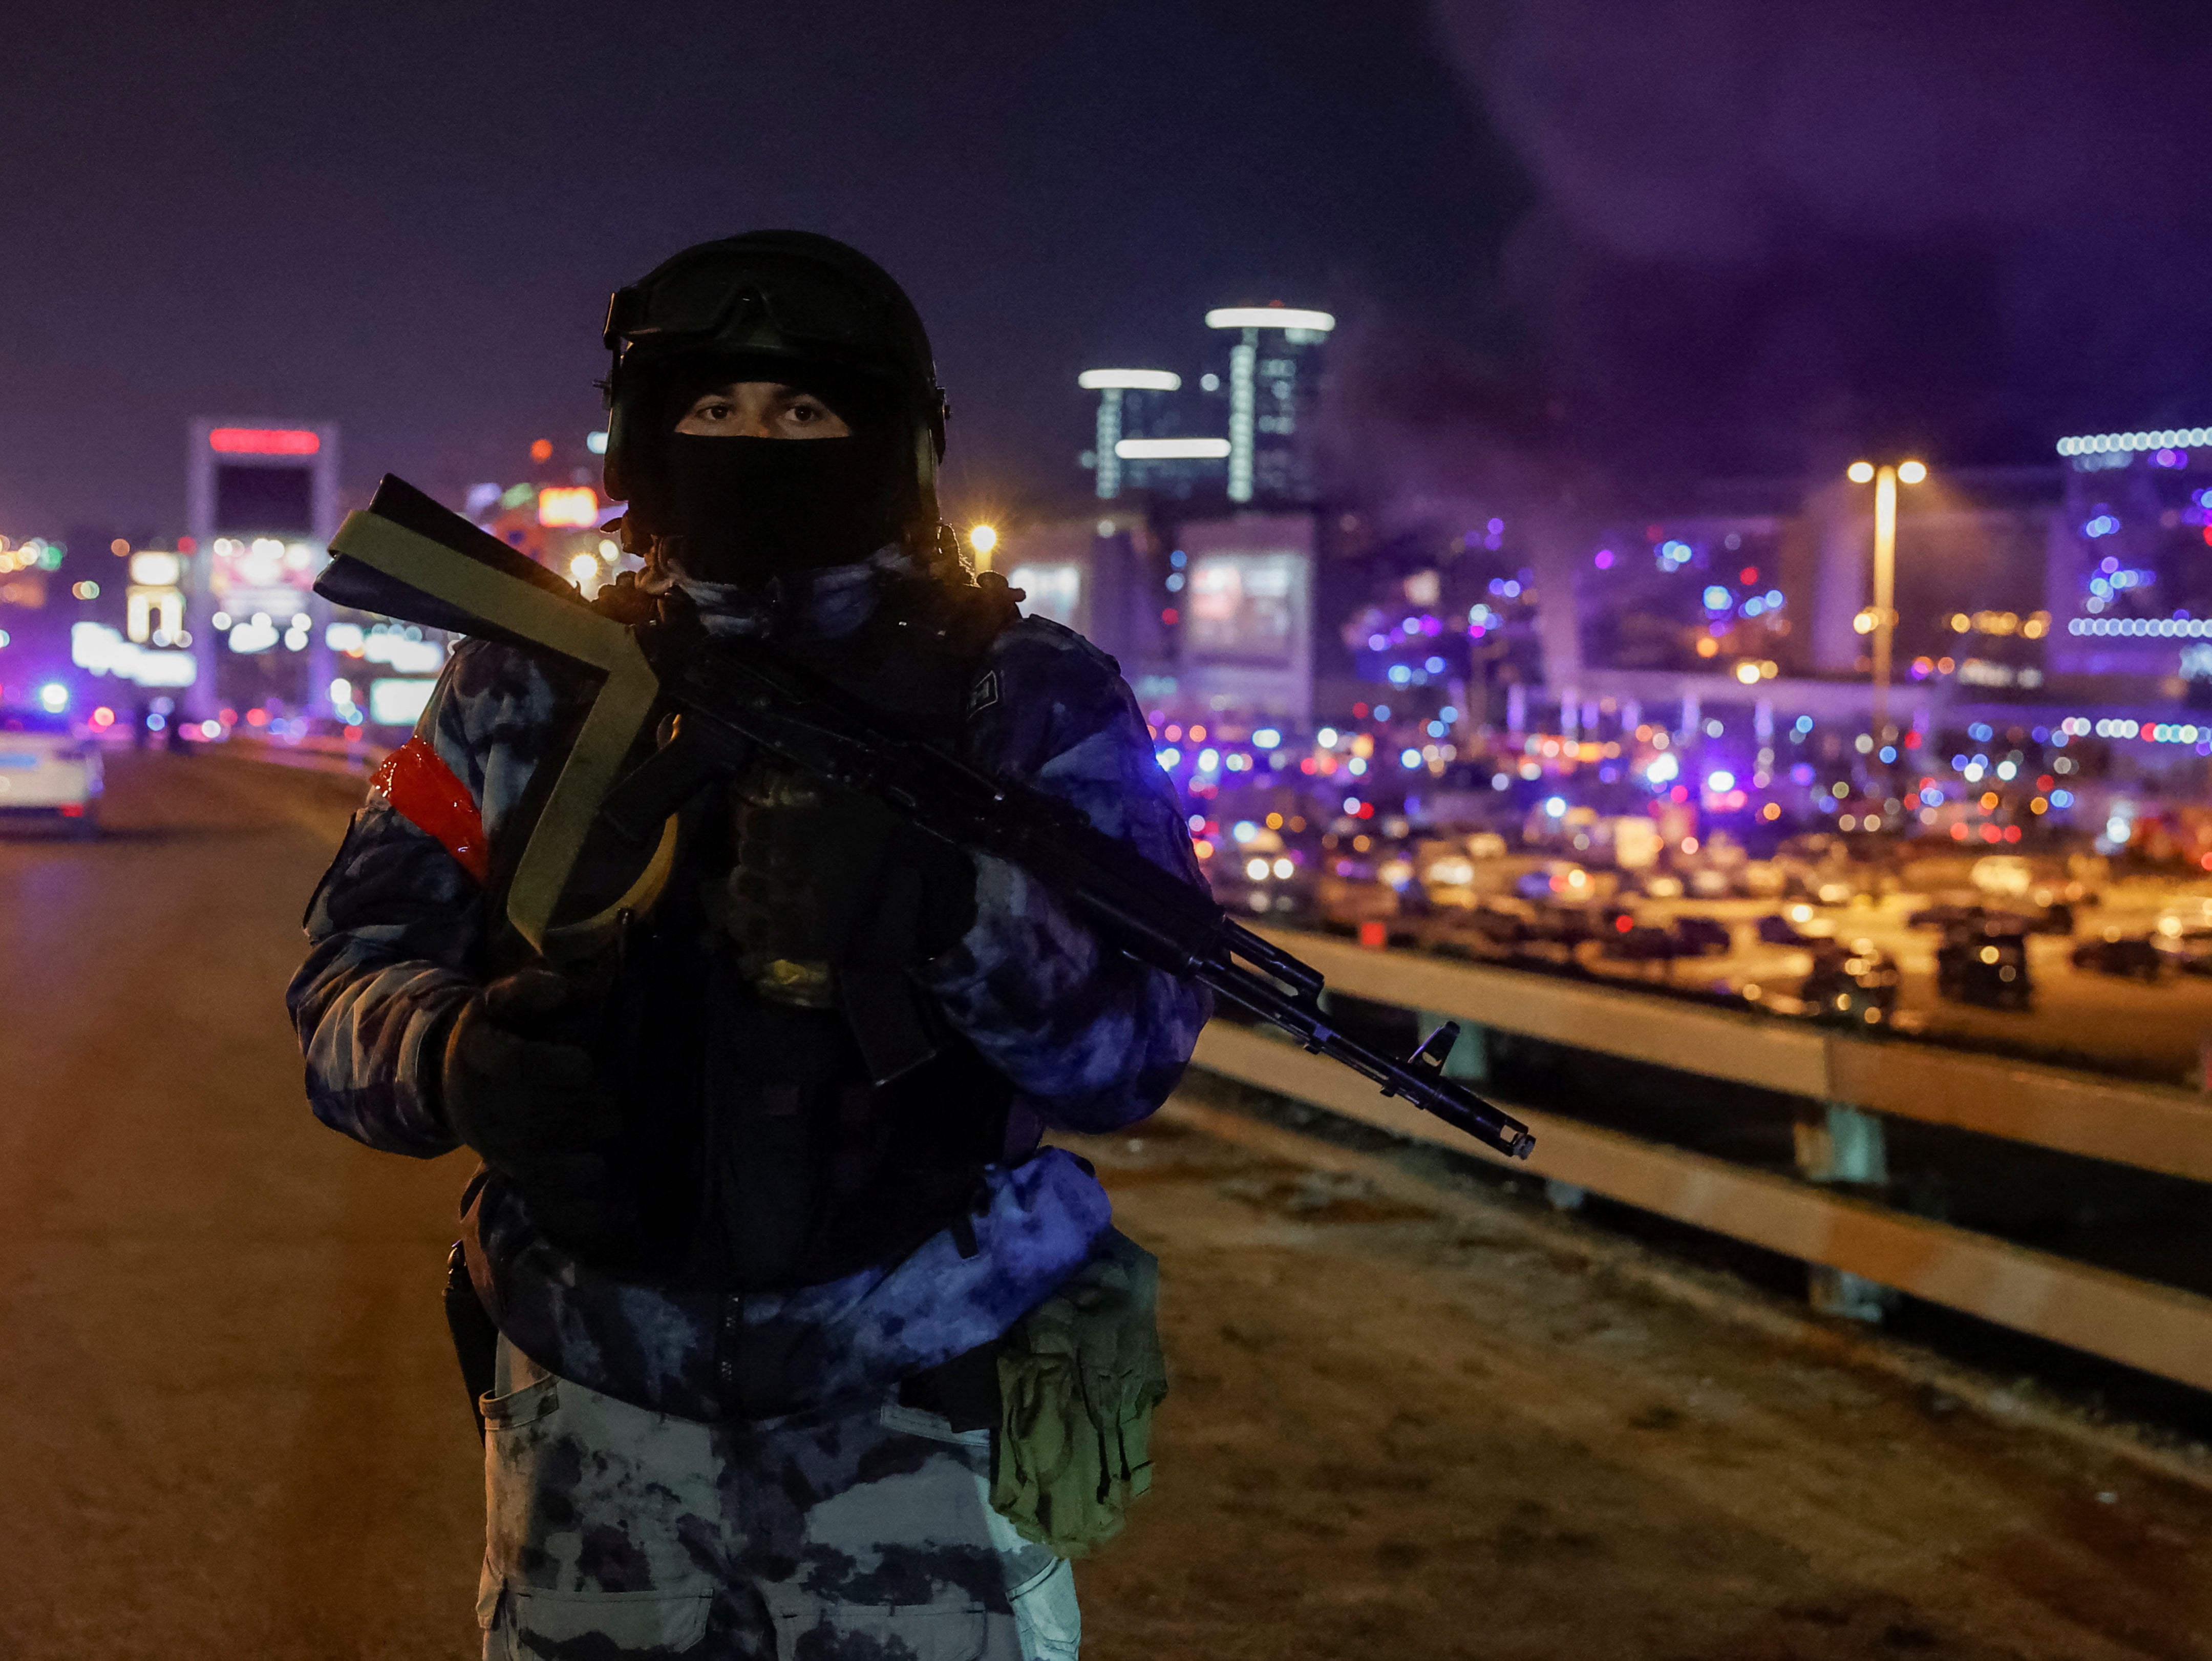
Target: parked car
{"x":1263,"y":873}
{"x":2132,"y":956}
{"x":47,"y":773}
{"x":1775,"y":929}
{"x":1703,"y":937}
{"x":1973,"y":965}
{"x":1640,"y":943}
{"x":1856,"y":983}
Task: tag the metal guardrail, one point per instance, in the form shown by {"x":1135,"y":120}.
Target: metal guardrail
{"x":2165,"y":1130}
{"x":2160,"y":1329}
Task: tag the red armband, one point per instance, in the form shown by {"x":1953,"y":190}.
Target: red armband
{"x":423,"y":791}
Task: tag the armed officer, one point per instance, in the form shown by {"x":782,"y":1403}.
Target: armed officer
{"x":762,"y":1209}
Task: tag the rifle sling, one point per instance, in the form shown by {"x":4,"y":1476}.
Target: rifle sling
{"x":617,"y":716}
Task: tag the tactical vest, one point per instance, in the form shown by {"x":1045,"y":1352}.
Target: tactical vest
{"x":794,"y":1109}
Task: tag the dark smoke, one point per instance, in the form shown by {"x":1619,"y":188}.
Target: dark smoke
{"x":1769,"y":231}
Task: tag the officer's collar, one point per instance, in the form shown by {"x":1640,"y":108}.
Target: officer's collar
{"x":820,"y":604}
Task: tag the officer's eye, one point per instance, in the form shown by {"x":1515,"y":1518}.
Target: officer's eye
{"x":713,"y":408}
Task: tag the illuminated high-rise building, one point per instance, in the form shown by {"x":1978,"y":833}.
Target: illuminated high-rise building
{"x":1140,"y":445}
{"x":1273,"y":371}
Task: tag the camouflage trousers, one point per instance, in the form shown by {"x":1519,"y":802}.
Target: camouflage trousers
{"x":616,"y":1533}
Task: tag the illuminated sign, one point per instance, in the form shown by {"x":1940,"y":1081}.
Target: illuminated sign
{"x":1134,"y":380}
{"x":264,"y":441}
{"x":1171,"y":449}
{"x":263,"y":565}
{"x":573,"y":505}
{"x":398,"y":702}
{"x":1244,"y":607}
{"x":156,"y":570}
{"x":1269,"y":317}
{"x":96,"y":648}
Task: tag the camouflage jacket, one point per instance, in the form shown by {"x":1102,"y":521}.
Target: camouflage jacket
{"x":1089,"y":1040}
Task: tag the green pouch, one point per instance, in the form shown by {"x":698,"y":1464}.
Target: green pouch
{"x":1078,"y":1377}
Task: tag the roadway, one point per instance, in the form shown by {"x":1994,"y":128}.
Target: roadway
{"x":1402,"y":1425}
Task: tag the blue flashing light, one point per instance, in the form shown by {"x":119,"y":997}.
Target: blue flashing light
{"x":1773,"y":599}
{"x":2103,"y":526}
{"x":2061,"y":797}
{"x":1931,"y":796}
{"x":1446,"y":714}
{"x":1382,"y":712}
{"x":1888,"y":752}
{"x":1409,"y":760}
{"x":1717,"y":599}
{"x":1377,"y":642}
{"x":1399,"y":674}
{"x":1804,"y":725}
{"x":1178,"y":559}
{"x":1434,"y":666}
{"x":1753,"y":606}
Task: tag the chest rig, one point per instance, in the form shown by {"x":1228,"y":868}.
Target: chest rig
{"x":799,"y":1111}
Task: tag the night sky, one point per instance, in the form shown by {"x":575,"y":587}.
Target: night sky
{"x":1654,"y":239}
{"x":406,"y":217}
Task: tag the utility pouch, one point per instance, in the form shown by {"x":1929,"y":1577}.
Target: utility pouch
{"x":1078,"y":1377}
{"x":476,"y":1339}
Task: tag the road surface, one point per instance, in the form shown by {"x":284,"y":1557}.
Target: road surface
{"x":229,"y":1426}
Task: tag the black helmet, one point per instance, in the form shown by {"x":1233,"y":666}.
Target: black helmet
{"x":793,"y":296}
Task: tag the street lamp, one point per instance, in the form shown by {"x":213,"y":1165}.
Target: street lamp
{"x":1885,"y":480}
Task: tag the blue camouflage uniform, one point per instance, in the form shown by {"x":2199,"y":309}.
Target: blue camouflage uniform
{"x":1078,"y":1038}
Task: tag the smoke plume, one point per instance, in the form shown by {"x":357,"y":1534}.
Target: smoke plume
{"x":1769,"y":231}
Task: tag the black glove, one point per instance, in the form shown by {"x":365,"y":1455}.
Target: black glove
{"x":532,"y":1106}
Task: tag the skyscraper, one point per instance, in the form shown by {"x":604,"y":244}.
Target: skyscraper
{"x":1273,"y":371}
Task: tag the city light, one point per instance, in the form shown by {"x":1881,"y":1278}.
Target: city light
{"x":983,"y":539}
{"x":1171,"y":449}
{"x":1134,"y":380}
{"x":2109,"y":443}
{"x":264,"y":441}
{"x":596,"y":443}
{"x":53,"y":698}
{"x":1269,"y":317}
{"x":1860,"y":473}
{"x":155,"y":570}
{"x":574,"y":507}
{"x":1911,"y":472}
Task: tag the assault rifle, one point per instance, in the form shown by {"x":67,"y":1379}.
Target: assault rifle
{"x":408,"y":557}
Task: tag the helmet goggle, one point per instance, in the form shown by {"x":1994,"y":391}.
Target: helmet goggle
{"x":747,"y":303}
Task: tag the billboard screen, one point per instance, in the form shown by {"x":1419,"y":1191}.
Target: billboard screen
{"x":1244,"y":608}
{"x":250,"y":497}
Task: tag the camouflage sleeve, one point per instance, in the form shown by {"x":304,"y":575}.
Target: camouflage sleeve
{"x":395,"y":928}
{"x":1092,"y":1039}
